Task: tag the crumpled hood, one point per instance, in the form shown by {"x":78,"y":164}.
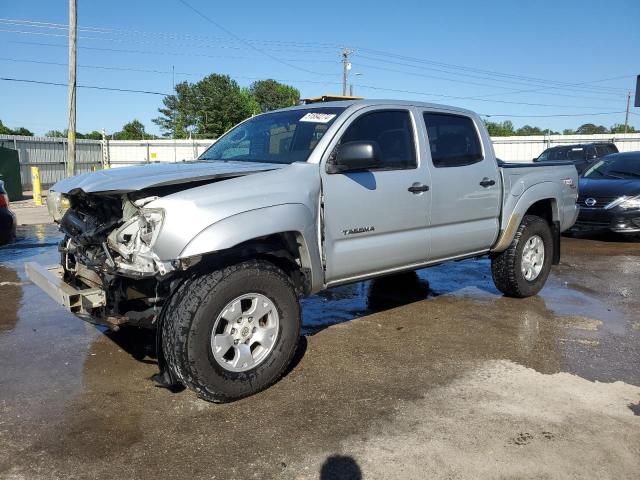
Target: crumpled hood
{"x":129,"y":179}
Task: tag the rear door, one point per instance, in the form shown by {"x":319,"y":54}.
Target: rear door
{"x":372,"y":221}
{"x":466,"y":194}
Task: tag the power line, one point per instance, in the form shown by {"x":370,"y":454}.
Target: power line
{"x":557,"y":85}
{"x":161,"y":72}
{"x":128,"y":39}
{"x":371,"y":87}
{"x":457,"y":97}
{"x":177,"y":54}
{"x":156,"y":34}
{"x":455,"y":80}
{"x":473,"y":69}
{"x":230,"y":33}
{"x":503,"y":77}
{"x":588,"y":89}
{"x":575,"y":84}
{"x":488,"y":115}
{"x":549,"y":116}
{"x":94,"y":87}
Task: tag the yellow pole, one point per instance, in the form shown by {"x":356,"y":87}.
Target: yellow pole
{"x":37,"y":189}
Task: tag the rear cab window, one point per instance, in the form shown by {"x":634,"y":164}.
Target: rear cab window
{"x":453,"y":140}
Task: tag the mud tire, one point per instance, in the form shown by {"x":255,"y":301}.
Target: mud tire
{"x":188,"y":321}
{"x":506,"y":266}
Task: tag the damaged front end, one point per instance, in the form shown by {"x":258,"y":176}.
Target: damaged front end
{"x":108,"y":249}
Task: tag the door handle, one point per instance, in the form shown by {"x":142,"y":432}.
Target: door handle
{"x":418,"y":188}
{"x":487,"y":182}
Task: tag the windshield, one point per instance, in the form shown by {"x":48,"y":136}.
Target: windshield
{"x":615,"y":167}
{"x":562,"y":153}
{"x":279,"y":137}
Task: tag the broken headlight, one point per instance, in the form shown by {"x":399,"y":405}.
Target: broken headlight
{"x":138,"y":234}
{"x":57,"y":204}
{"x":150,"y":222}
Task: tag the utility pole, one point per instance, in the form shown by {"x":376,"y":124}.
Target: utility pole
{"x":626,"y":117}
{"x":346,"y":66}
{"x":71,"y":132}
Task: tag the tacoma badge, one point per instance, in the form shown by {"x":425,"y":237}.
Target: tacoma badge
{"x":353,"y":231}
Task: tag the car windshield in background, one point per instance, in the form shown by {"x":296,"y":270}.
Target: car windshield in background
{"x":566,"y":153}
{"x":615,"y":167}
{"x":278,"y":137}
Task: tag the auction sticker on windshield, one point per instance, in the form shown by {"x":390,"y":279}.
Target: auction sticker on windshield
{"x":318,"y":117}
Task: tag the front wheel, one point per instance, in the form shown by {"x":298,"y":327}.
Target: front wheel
{"x":522,"y":269}
{"x":232,"y":332}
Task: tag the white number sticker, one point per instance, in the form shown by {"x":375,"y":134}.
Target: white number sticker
{"x":318,"y":117}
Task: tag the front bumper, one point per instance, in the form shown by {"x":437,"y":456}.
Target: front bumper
{"x":615,"y":220}
{"x":82,"y":302}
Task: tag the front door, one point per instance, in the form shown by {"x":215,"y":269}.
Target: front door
{"x":372,"y":221}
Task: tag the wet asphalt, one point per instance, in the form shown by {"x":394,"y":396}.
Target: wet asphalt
{"x":380,"y":367}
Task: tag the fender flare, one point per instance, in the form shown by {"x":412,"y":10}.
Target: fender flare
{"x":245,"y":226}
{"x":541,"y":191}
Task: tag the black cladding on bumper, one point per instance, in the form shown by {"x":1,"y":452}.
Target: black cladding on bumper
{"x":614,"y":219}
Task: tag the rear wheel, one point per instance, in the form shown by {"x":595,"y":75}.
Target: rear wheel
{"x":522,"y":269}
{"x":232,"y":332}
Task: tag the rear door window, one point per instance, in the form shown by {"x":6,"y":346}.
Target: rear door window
{"x":453,"y":140}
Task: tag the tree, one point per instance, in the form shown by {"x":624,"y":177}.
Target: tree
{"x":590,"y":129}
{"x":619,"y":128}
{"x":4,"y":130}
{"x":23,"y":131}
{"x":272,"y":95}
{"x":133,"y":130}
{"x":94,"y":135}
{"x":56,"y":133}
{"x":568,"y":131}
{"x":504,"y":129}
{"x":529,"y":130}
{"x":207,"y":108}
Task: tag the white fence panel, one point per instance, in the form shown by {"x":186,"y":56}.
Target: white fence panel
{"x":525,"y":149}
{"x":49,"y":154}
{"x":132,"y":152}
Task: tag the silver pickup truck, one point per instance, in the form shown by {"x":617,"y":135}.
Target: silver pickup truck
{"x":215,"y":253}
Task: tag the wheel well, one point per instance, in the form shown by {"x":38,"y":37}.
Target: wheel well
{"x":544,"y":209}
{"x":286,"y":250}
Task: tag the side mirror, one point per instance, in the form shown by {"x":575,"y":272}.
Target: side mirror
{"x":355,"y":156}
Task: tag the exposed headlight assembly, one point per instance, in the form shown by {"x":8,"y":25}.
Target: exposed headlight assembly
{"x":150,"y":222}
{"x":138,"y":234}
{"x":57,"y":204}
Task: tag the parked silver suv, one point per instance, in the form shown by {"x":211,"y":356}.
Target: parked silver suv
{"x":215,"y":253}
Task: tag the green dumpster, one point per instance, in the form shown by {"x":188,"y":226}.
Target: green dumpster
{"x":10,"y":173}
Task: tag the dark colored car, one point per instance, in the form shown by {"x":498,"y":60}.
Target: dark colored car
{"x":609,"y":194}
{"x":7,"y":218}
{"x":583,"y":155}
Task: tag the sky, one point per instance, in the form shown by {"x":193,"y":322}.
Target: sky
{"x":553,"y":64}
